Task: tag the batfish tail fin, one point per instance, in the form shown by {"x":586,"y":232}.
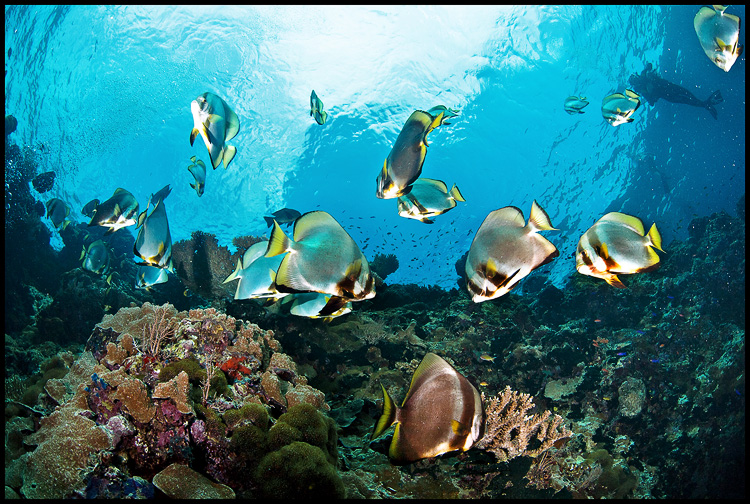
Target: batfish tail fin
{"x":456,"y":194}
{"x":228,"y":154}
{"x":655,"y":237}
{"x":388,"y":417}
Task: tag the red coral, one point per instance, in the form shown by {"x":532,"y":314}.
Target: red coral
{"x":234,"y":369}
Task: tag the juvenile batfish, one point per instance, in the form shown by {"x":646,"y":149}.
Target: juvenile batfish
{"x":505,"y":250}
{"x":442,"y":412}
{"x":322,"y":257}
{"x":575,"y":104}
{"x":256,"y":273}
{"x":718,"y":33}
{"x":198,"y":170}
{"x":618,"y":108}
{"x":95,"y":258}
{"x":428,"y":198}
{"x":217,"y":124}
{"x":57,"y":212}
{"x":316,"y":109}
{"x":117,"y":212}
{"x":154,"y":242}
{"x":404,"y":163}
{"x":148,"y":276}
{"x":283,"y":216}
{"x":616,"y":244}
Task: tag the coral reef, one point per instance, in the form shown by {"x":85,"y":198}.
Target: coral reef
{"x":178,"y":481}
{"x":630,"y":384}
{"x":133,"y":415}
{"x":509,"y":431}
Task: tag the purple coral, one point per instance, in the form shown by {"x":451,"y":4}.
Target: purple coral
{"x":120,"y":427}
{"x":198,"y":431}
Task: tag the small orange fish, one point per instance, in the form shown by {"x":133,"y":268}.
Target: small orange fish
{"x":597,"y":320}
{"x":487,"y":357}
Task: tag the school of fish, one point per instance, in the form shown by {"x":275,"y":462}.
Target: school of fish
{"x":319,"y":272}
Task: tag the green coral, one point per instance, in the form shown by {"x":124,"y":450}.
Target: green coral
{"x":190,"y":365}
{"x":250,"y":443}
{"x":219,"y":384}
{"x":253,"y":413}
{"x":298,"y":471}
{"x":303,"y":422}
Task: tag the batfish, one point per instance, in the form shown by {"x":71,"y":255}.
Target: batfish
{"x":95,"y":258}
{"x":428,"y":198}
{"x":256,"y":273}
{"x":404,"y":163}
{"x":217,"y":124}
{"x":154,"y":242}
{"x":442,"y":412}
{"x":148,"y":276}
{"x":617,"y":243}
{"x":618,"y":108}
{"x":575,"y":104}
{"x":718,"y":33}
{"x":57,"y":212}
{"x":505,"y":250}
{"x":322,"y":257}
{"x":316,"y":109}
{"x":198,"y":170}
{"x":117,"y":212}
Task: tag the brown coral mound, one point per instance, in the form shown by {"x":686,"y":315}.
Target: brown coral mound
{"x":509,"y":431}
{"x":203,"y":265}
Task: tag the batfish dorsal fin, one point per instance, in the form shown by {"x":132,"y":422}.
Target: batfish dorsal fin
{"x":431,"y":364}
{"x":506,"y":216}
{"x":538,"y":219}
{"x":624,"y":219}
{"x":307,"y":224}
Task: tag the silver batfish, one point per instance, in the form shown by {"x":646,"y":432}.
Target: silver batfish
{"x":719,"y":34}
{"x":322,"y":257}
{"x":217,"y":124}
{"x":428,"y":198}
{"x":404,"y":163}
{"x":154,"y":242}
{"x":505,"y":250}
{"x":617,"y":243}
{"x":618,"y":108}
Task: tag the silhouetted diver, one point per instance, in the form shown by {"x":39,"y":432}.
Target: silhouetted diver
{"x":652,"y":87}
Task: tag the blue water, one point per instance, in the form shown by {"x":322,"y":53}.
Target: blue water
{"x":103,"y":94}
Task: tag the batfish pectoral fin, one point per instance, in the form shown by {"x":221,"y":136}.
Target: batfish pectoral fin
{"x":612,"y":280}
{"x":460,"y":429}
